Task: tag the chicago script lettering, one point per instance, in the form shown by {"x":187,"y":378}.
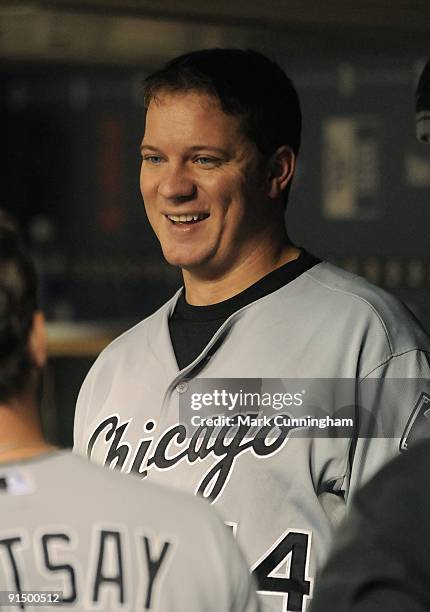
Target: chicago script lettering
{"x":226,"y":444}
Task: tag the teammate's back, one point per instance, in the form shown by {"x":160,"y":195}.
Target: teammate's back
{"x":108,"y":541}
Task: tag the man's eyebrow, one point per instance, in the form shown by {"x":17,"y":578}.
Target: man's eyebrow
{"x":147,"y":147}
{"x":193,"y":149}
{"x":208,"y":148}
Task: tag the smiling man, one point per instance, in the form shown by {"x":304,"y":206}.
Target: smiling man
{"x":207,"y":189}
{"x":219,"y":150}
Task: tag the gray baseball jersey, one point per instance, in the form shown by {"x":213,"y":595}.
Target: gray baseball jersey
{"x":109,"y":543}
{"x":281,"y":496}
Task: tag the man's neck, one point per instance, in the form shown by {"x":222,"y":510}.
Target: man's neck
{"x":200,"y":291}
{"x":20,"y":431}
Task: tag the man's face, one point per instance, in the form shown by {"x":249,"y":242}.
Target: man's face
{"x":202,"y":182}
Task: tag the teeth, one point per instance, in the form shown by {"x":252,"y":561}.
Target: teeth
{"x":186,"y":218}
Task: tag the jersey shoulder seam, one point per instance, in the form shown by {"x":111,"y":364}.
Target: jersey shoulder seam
{"x":362,"y":299}
{"x":393,"y":356}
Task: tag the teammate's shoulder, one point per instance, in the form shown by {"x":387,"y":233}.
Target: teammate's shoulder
{"x":414,"y":462}
{"x":190,"y":510}
{"x":118,"y":480}
{"x":392,"y":488}
{"x":72,"y":476}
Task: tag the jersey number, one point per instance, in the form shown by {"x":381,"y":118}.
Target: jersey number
{"x":295,"y":546}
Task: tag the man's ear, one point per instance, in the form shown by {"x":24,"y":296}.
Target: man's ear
{"x":281,"y":169}
{"x":38,"y":340}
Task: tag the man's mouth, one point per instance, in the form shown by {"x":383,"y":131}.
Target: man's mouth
{"x":187,"y":219}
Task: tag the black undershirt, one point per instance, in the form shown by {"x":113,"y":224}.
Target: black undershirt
{"x":192,"y":327}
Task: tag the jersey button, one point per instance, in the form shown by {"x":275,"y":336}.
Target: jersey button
{"x":182,"y":387}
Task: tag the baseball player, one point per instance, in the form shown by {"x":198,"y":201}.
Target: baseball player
{"x":381,"y":560}
{"x":80,"y":537}
{"x":219,"y":150}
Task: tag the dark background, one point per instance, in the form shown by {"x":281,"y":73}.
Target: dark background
{"x":72,"y":122}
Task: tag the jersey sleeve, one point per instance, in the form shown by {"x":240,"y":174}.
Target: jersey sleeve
{"x":389,"y":412}
{"x":381,"y":559}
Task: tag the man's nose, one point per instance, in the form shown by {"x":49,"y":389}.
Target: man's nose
{"x":176,"y":184}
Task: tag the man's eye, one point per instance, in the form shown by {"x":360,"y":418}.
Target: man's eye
{"x":205,"y":161}
{"x":152,"y":159}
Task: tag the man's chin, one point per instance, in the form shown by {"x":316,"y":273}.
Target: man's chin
{"x":186,"y":261}
{"x":188,"y":266}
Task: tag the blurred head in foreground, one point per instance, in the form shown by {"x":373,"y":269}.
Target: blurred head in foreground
{"x":423,"y":106}
{"x":23,"y":344}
